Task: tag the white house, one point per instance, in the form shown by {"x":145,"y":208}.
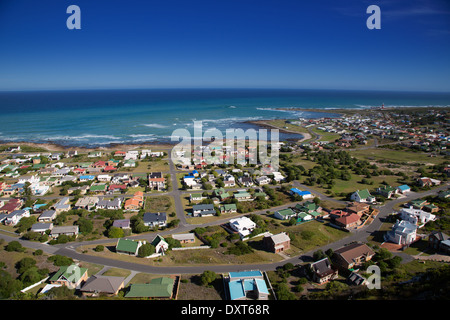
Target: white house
{"x":403,"y":232}
{"x":31,"y":179}
{"x":243,"y":225}
{"x":161,"y":246}
{"x":416,"y":216}
{"x":15,"y":216}
{"x":278,"y":177}
{"x":362,"y":196}
{"x":132,"y":155}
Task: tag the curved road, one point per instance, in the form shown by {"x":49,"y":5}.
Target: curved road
{"x":69,"y":249}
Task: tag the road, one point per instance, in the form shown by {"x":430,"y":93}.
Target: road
{"x":361,"y":235}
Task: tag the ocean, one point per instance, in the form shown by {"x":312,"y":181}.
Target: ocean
{"x":93,"y":118}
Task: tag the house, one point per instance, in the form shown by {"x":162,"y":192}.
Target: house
{"x":303,"y":217}
{"x":156,"y":181}
{"x":277,"y":243}
{"x":122,"y":223}
{"x":309,"y":207}
{"x":105,"y":285}
{"x":304,"y":194}
{"x":247,"y":285}
{"x":158,"y":219}
{"x":228,"y":208}
{"x":359,"y":208}
{"x":126,"y":246}
{"x":386,"y":191}
{"x":246,"y":181}
{"x":322,"y":271}
{"x":439,"y":241}
{"x":278,"y":177}
{"x":285,"y":214}
{"x":195,"y":197}
{"x":94,"y":154}
{"x":402,"y":233}
{"x":416,"y":216}
{"x":417,"y":204}
{"x":229,"y":181}
{"x":62,"y":205}
{"x":431,"y":208}
{"x":41,"y":227}
{"x":65,"y":230}
{"x":201,"y":210}
{"x":348,"y":221}
{"x":184,"y":237}
{"x":85,"y":178}
{"x":132,"y":154}
{"x":104,"y":178}
{"x":31,"y":179}
{"x":243,"y":225}
{"x":161,"y":246}
{"x":87,"y":203}
{"x":114,"y":204}
{"x":352,"y":256}
{"x":221,"y":193}
{"x":114,"y":188}
{"x":159,"y":288}
{"x":14,"y":217}
{"x":242,"y":196}
{"x":403,"y":189}
{"x":362,"y":196}
{"x":98,"y":188}
{"x":263,"y":180}
{"x":428,"y":182}
{"x":11,"y":205}
{"x":136,"y":202}
{"x":47,"y":216}
{"x":70,"y":276}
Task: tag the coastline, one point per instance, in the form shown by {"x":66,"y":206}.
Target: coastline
{"x":165,"y":145}
{"x":264,"y":124}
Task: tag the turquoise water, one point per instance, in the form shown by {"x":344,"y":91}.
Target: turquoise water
{"x":102,"y":117}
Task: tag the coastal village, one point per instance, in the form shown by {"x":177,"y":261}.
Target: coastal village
{"x":366,"y":188}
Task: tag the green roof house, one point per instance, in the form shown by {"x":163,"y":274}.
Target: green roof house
{"x":70,"y":276}
{"x":228,"y":208}
{"x":362,"y":196}
{"x":161,"y":288}
{"x":127,"y":246}
{"x":285,"y":214}
{"x":386,"y":191}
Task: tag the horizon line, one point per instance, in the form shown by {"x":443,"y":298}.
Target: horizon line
{"x":218,"y":88}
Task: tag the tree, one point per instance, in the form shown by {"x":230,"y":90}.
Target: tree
{"x":85,"y":225}
{"x":14,"y":246}
{"x":318,"y":255}
{"x":115,"y":232}
{"x":207,"y":277}
{"x":24,"y":264}
{"x":146,"y":250}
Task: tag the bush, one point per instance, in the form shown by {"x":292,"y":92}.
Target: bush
{"x":59,"y":260}
{"x":99,"y":248}
{"x":146,"y":250}
{"x":14,"y":246}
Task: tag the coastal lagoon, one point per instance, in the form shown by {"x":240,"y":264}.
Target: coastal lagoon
{"x":93,"y":118}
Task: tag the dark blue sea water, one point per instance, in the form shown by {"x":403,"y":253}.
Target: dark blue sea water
{"x":102,"y":117}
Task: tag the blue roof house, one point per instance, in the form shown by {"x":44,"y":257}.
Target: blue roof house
{"x":247,"y":285}
{"x":304,"y":194}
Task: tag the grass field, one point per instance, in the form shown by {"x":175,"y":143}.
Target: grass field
{"x":398,"y":156}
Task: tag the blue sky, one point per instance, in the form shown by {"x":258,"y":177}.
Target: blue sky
{"x":319,"y":44}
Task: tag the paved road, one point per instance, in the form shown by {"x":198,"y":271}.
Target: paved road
{"x":360,"y":235}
